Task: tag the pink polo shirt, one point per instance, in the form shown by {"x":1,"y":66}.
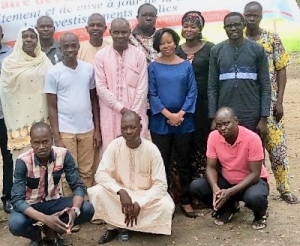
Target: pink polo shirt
{"x":235,"y":158}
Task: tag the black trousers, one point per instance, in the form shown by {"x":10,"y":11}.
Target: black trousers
{"x":7,"y":162}
{"x":179,"y":146}
{"x":255,"y":196}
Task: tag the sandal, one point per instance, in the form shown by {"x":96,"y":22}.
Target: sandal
{"x":75,"y":228}
{"x":259,"y":223}
{"x":290,"y":198}
{"x":223,"y":218}
{"x":236,"y":209}
{"x":98,"y":222}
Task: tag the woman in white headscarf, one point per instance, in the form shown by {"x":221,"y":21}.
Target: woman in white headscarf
{"x":21,"y":89}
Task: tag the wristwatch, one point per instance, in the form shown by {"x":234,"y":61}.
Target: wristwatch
{"x":76,"y":210}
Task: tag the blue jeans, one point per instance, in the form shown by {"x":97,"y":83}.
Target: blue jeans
{"x":20,"y":225}
{"x":255,"y":196}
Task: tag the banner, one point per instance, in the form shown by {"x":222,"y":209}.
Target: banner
{"x":72,"y":15}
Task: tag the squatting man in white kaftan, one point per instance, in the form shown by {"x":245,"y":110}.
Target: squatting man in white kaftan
{"x":131,"y":191}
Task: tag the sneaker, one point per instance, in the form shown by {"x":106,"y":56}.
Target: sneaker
{"x":36,"y":243}
{"x":108,"y":236}
{"x":123,"y":235}
{"x":56,"y":241}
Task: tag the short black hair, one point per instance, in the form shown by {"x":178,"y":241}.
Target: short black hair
{"x":44,"y":17}
{"x":255,"y":4}
{"x":146,"y":4}
{"x":95,"y":14}
{"x":40,"y":125}
{"x":228,"y":110}
{"x":158,"y":35}
{"x":234,"y":14}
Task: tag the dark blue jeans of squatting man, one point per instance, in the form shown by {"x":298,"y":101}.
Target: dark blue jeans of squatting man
{"x":20,"y":225}
{"x":255,"y":197}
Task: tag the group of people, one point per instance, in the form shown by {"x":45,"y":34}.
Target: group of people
{"x":100,"y":131}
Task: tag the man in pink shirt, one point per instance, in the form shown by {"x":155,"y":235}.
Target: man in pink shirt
{"x":235,"y":171}
{"x":121,"y":82}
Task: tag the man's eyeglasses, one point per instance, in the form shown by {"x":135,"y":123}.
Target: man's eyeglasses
{"x":235,"y":25}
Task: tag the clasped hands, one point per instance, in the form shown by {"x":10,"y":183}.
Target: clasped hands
{"x":129,"y":209}
{"x":220,"y":197}
{"x":55,"y":223}
{"x":175,"y":119}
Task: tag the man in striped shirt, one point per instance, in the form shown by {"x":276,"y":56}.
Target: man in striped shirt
{"x":239,"y":77}
{"x":36,"y":191}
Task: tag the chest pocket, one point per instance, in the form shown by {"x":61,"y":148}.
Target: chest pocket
{"x":32,"y":183}
{"x":144,"y":170}
{"x":132,"y":77}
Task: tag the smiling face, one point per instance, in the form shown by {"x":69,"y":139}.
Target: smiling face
{"x":120,"y":32}
{"x":69,"y":45}
{"x":234,"y":27}
{"x":96,"y":26}
{"x":253,"y":16}
{"x":30,"y":40}
{"x":167,"y":45}
{"x":190,"y":31}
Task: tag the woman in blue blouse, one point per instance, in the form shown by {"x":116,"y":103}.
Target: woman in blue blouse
{"x":172,"y":97}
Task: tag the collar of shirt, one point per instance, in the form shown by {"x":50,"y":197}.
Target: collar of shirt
{"x":123,"y":52}
{"x":4,"y":48}
{"x":238,"y":140}
{"x":54,"y":45}
{"x":136,"y":31}
{"x":51,"y":159}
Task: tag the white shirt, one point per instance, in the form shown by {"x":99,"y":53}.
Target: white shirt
{"x":72,"y":87}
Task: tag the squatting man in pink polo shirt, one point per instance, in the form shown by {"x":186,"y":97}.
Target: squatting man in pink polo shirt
{"x":235,"y":172}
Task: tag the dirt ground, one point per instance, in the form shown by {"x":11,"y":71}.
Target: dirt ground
{"x":283,"y":223}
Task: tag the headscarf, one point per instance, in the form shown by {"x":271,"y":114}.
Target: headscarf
{"x":23,"y":59}
{"x":194,"y":17}
{"x":22,"y":91}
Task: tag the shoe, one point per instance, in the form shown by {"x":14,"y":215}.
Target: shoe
{"x":6,"y":205}
{"x":37,"y":243}
{"x":108,"y":236}
{"x":188,"y":214}
{"x":123,"y":235}
{"x":56,"y":241}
